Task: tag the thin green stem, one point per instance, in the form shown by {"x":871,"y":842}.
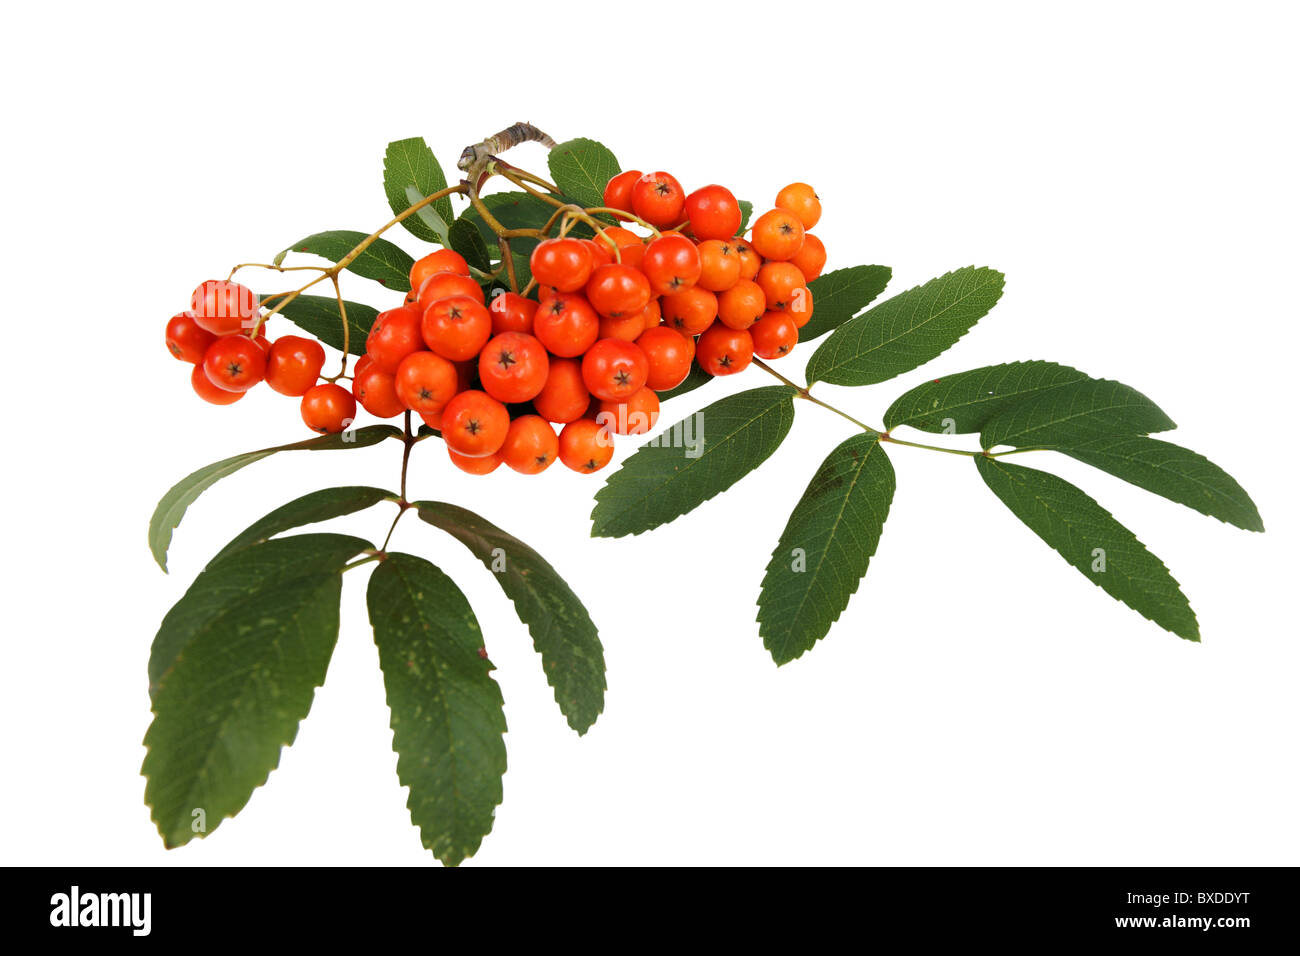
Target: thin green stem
{"x":408,"y":441}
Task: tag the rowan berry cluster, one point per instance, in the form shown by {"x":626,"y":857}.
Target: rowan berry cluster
{"x":617,"y":319}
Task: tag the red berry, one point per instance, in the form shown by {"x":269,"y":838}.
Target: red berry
{"x":235,"y":363}
{"x":444,"y":260}
{"x":564,"y":397}
{"x":223,"y":307}
{"x":724,"y":351}
{"x":566,"y":324}
{"x":440,"y":285}
{"x":511,"y":312}
{"x":618,"y":290}
{"x":425,"y":382}
{"x":474,"y":424}
{"x":774,"y":335}
{"x":186,"y":339}
{"x":328,"y":408}
{"x":456,"y":327}
{"x":777,"y":235}
{"x":635,"y":415}
{"x":204,"y":388}
{"x":669,"y":355}
{"x":376,"y":391}
{"x":563,"y":264}
{"x":395,"y":335}
{"x":513,"y":367}
{"x":658,"y":199}
{"x":586,"y":446}
{"x":530,"y":446}
{"x":671,"y":263}
{"x":613,"y":369}
{"x":618,"y":191}
{"x":293,"y":364}
{"x":713,"y":212}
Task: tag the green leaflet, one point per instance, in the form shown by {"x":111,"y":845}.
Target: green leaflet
{"x":173,"y":505}
{"x":746,"y":213}
{"x":693,"y":460}
{"x":562,"y":631}
{"x":1076,"y":412}
{"x":825,"y":547}
{"x":233,"y":671}
{"x":464,"y":237}
{"x":961,"y":403}
{"x":382,"y":261}
{"x":319,"y":315}
{"x":581,"y":168}
{"x":840,"y":295}
{"x":1173,"y":472}
{"x":309,"y":509}
{"x":906,"y":331}
{"x":1092,"y":541}
{"x":410,"y":165}
{"x":445,"y":708}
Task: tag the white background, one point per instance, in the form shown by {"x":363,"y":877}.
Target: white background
{"x":1130,"y":167}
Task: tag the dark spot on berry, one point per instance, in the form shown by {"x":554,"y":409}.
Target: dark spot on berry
{"x":473,"y":426}
{"x":621,"y":377}
{"x":506,"y":359}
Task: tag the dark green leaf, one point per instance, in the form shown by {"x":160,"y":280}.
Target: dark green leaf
{"x":1072,"y":413}
{"x":1172,"y":472}
{"x":581,"y":168}
{"x":961,"y":403}
{"x":446,"y":710}
{"x":514,"y":210}
{"x":171,"y":508}
{"x":906,"y":331}
{"x":233,"y":671}
{"x":693,"y":380}
{"x":464,"y":237}
{"x":693,"y":460}
{"x":411,"y":164}
{"x":382,"y":261}
{"x":562,"y":631}
{"x":825,"y":548}
{"x":319,"y":315}
{"x":840,"y":295}
{"x":1093,"y":542}
{"x":310,"y":508}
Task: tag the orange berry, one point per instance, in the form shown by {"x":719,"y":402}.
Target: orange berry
{"x":635,"y":415}
{"x":774,"y":335}
{"x":800,"y":199}
{"x":586,"y":446}
{"x":777,"y":235}
{"x":742,"y":305}
{"x":530,"y":446}
{"x":719,"y":265}
{"x":811,"y":257}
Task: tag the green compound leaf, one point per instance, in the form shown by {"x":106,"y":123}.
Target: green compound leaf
{"x":382,"y":261}
{"x":562,"y":631}
{"x":962,"y":403}
{"x":692,"y":461}
{"x":1173,"y":472}
{"x":840,"y":295}
{"x":319,"y":315}
{"x":1093,"y":542}
{"x":309,"y":509}
{"x":445,"y":708}
{"x":233,"y":671}
{"x":173,"y":505}
{"x":1072,"y":413}
{"x":693,"y":380}
{"x":464,"y":238}
{"x":906,"y":331}
{"x":410,"y":165}
{"x":825,"y":548}
{"x":581,"y":168}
